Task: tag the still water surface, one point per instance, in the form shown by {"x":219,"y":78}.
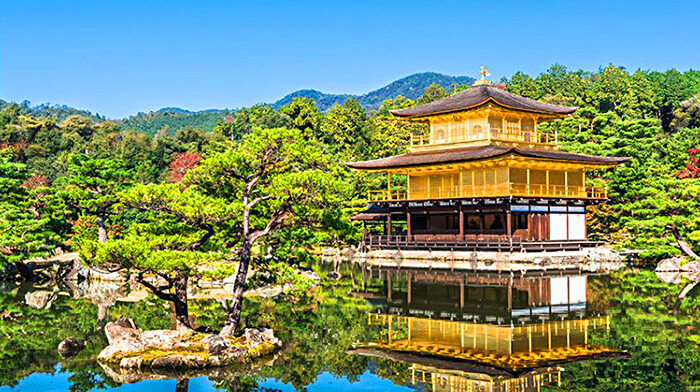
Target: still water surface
{"x":395,"y":330}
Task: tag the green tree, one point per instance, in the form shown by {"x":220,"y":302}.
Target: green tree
{"x":432,"y":93}
{"x":688,"y":113}
{"x":303,"y":114}
{"x":344,"y":128}
{"x":172,"y":244}
{"x":28,"y":226}
{"x":273,"y":178}
{"x":91,"y":185}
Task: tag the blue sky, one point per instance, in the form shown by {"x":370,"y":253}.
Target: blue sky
{"x":121,"y":57}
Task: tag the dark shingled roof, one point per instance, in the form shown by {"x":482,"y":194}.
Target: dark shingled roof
{"x":479,"y":95}
{"x":477,"y":153}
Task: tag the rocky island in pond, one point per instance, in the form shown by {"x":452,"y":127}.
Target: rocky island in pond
{"x":132,"y":348}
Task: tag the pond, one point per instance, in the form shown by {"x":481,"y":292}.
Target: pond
{"x":387,"y":330}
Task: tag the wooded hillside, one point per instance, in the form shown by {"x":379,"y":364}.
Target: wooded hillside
{"x":654,"y":117}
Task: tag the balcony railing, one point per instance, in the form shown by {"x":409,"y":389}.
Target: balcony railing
{"x":495,"y":190}
{"x":473,"y":241}
{"x":511,"y":135}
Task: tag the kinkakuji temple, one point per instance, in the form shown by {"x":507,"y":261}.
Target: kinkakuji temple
{"x":486,"y":177}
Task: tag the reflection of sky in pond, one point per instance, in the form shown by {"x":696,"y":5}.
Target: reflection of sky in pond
{"x":325,"y":382}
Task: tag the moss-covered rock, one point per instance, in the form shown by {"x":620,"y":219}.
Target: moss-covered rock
{"x":136,"y":349}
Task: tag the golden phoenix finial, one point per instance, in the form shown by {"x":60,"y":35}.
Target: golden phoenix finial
{"x":484,"y":73}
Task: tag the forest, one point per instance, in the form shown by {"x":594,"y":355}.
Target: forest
{"x":77,"y":181}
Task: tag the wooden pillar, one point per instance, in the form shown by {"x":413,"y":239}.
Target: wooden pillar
{"x":568,"y":293}
{"x":388,"y":225}
{"x":482,"y":223}
{"x":364,"y":277}
{"x":461,"y":294}
{"x":409,"y":293}
{"x":388,"y":286}
{"x":488,"y":127}
{"x":510,"y":295}
{"x":528,"y":182}
{"x":408,"y":223}
{"x":408,"y":185}
{"x":388,"y":185}
{"x":461,"y":221}
{"x":509,"y":224}
{"x":520,"y":128}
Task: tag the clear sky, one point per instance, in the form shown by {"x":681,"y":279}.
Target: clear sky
{"x":121,"y":57}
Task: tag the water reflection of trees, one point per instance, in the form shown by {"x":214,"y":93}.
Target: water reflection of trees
{"x":663,"y":343}
{"x":318,"y":331}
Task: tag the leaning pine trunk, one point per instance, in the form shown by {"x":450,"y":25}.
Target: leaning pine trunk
{"x":101,"y":229}
{"x":233,"y":317}
{"x":182,"y":316}
{"x":182,"y":385}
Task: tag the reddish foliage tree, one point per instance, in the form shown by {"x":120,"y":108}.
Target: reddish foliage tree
{"x":182,"y":163}
{"x":36,"y":181}
{"x":692,"y":169}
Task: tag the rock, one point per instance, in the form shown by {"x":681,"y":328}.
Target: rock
{"x":121,"y":346}
{"x":269,"y":291}
{"x":70,"y":347}
{"x":334,"y":275}
{"x":229,"y":279}
{"x":671,"y":264}
{"x":669,"y":276}
{"x":40,"y":299}
{"x":693,"y":276}
{"x":269,"y":337}
{"x":165,"y":339}
{"x":119,"y":329}
{"x":177,"y":361}
{"x":308,"y":273}
{"x":131,"y":363}
{"x":692,"y":267}
{"x":131,"y":348}
{"x":93,"y":274}
{"x":214,"y":361}
{"x":215,"y":344}
{"x":257,"y":336}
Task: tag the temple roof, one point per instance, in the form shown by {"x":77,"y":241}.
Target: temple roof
{"x":479,"y":95}
{"x":478,"y":153}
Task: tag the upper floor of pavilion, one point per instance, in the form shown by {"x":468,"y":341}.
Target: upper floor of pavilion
{"x":485,"y":142}
{"x":481,"y":115}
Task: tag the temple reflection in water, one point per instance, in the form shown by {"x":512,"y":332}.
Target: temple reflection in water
{"x":462,"y":331}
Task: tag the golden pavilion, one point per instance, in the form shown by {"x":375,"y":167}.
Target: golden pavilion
{"x":486,"y":177}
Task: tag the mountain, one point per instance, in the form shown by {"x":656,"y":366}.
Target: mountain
{"x":410,"y":87}
{"x":59,"y":112}
{"x":174,"y":119}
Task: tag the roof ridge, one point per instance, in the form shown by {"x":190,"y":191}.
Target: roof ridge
{"x":476,"y":96}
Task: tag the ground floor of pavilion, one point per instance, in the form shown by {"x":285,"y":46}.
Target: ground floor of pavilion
{"x":498,"y":224}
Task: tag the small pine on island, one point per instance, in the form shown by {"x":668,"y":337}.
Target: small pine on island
{"x":486,"y":178}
